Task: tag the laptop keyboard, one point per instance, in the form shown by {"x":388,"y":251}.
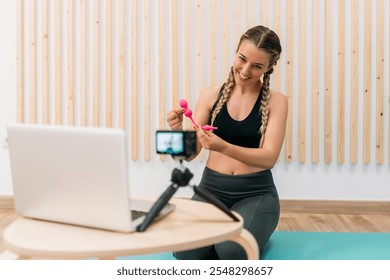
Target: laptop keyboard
{"x":136,"y":214}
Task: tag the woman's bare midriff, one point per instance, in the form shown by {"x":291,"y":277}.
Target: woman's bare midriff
{"x":227,"y":165}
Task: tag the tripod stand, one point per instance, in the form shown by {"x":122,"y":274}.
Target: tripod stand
{"x":180,"y":178}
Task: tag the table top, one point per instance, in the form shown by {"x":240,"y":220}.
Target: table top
{"x":193,"y":224}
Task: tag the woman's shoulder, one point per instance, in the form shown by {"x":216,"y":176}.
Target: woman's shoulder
{"x":211,"y":91}
{"x":209,"y":95}
{"x":277,"y":96}
{"x":278,"y":100}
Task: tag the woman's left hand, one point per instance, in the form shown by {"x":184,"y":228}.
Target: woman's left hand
{"x":209,"y":140}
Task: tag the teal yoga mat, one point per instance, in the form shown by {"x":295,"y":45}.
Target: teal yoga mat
{"x":293,"y":245}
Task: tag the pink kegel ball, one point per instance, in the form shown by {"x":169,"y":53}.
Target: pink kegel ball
{"x":183,"y":103}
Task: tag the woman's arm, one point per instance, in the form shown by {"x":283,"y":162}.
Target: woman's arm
{"x":264,"y":157}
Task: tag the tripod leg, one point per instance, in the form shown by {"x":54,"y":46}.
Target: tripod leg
{"x":158,"y":206}
{"x":213,"y":200}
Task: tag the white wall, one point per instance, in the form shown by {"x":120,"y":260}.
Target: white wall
{"x":294,"y":180}
{"x":7,"y":86}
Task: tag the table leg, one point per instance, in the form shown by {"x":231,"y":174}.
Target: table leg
{"x":248,"y":242}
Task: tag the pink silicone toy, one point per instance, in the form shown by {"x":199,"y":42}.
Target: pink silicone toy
{"x":209,"y":127}
{"x":188,"y":113}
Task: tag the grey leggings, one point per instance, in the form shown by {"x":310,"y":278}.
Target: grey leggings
{"x":254,"y":197}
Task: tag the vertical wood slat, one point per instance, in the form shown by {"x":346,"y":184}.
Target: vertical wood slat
{"x":32,"y":6}
{"x":199,"y":55}
{"x":161,"y":57}
{"x":96,"y":67}
{"x":161,"y":64}
{"x":251,"y":14}
{"x":264,"y":16}
{"x":213,"y":43}
{"x":187,"y":59}
{"x":146,"y":85}
{"x":175,"y":58}
{"x":225,"y":42}
{"x":70,"y":61}
{"x":379,"y":82}
{"x":341,"y":85}
{"x":58,"y":63}
{"x":328,"y":81}
{"x":290,"y":81}
{"x":199,"y":44}
{"x":108,"y":68}
{"x":315,"y":85}
{"x":367,"y":83}
{"x":302,"y":82}
{"x":133,"y":67}
{"x":20,"y":60}
{"x":83,"y":63}
{"x":121,"y":64}
{"x":237,"y":20}
{"x":354,"y":82}
{"x":275,"y":81}
{"x":45,"y":62}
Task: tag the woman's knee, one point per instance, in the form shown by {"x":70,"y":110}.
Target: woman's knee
{"x":204,"y":253}
{"x":230,"y":251}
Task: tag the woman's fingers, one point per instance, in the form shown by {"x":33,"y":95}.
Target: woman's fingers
{"x":175,"y":118}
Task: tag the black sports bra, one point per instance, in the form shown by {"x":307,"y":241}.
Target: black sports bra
{"x":243,"y":133}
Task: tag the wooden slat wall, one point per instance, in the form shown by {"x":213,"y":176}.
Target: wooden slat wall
{"x":354,"y":82}
{"x":108,"y":64}
{"x":146,"y":84}
{"x":328,"y":91}
{"x":96,"y":63}
{"x":188,"y":49}
{"x":315,"y":85}
{"x":277,"y":28}
{"x":102,"y":63}
{"x":83,"y":63}
{"x":58,"y":62}
{"x":20,"y":64}
{"x":289,"y":52}
{"x":367,"y":83}
{"x":121,"y":65}
{"x":32,"y":65}
{"x":341,"y":86}
{"x":379,"y":151}
{"x":45,"y":62}
{"x":134,"y":82}
{"x":70,"y":60}
{"x":302,"y":81}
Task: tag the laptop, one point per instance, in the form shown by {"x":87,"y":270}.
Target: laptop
{"x":74,"y":175}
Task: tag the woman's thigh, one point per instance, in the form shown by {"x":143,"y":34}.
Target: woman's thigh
{"x":261,"y":216}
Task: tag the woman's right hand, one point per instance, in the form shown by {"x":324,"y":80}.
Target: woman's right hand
{"x":175,"y":119}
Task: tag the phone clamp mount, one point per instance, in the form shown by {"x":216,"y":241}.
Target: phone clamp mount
{"x":180,"y":178}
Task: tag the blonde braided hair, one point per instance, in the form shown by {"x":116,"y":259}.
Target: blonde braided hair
{"x":225,"y":95}
{"x":266,"y":40}
{"x":264,"y":110}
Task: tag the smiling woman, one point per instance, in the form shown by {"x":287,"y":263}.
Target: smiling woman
{"x":251,"y":121}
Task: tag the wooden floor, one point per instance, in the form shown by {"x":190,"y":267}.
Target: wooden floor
{"x":289,"y":221}
{"x":334,"y":222}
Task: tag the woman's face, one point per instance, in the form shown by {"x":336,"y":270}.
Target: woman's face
{"x":250,"y":63}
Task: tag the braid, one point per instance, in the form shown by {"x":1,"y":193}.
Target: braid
{"x":225,"y":95}
{"x":264,"y":110}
